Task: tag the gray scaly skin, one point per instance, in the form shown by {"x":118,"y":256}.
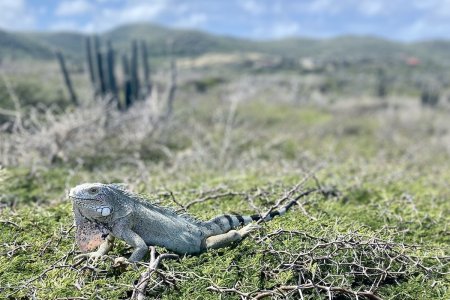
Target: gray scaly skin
{"x":105,"y":211}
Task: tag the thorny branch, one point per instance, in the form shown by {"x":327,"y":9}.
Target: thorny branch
{"x":141,"y":286}
{"x":348,"y":264}
{"x":281,"y":291}
{"x":214,"y":197}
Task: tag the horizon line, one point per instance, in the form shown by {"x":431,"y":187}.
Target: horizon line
{"x":176,"y":28}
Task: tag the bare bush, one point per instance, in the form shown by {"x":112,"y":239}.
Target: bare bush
{"x":86,"y":131}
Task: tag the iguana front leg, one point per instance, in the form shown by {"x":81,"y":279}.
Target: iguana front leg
{"x":225,"y":239}
{"x":103,"y":249}
{"x":134,"y":240}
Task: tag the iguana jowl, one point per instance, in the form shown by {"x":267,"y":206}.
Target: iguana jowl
{"x":105,"y":211}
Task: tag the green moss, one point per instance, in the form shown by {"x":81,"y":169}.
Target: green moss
{"x":43,"y":236}
{"x":23,"y":186}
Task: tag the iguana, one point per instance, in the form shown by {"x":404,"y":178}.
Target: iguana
{"x":105,"y":211}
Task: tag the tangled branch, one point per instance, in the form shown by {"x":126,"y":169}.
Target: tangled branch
{"x":142,"y":284}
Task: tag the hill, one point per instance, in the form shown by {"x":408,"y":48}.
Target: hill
{"x":185,"y":42}
{"x":16,"y":45}
{"x":70,"y":43}
{"x":194,"y":43}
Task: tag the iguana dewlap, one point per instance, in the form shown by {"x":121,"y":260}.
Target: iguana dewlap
{"x":105,"y":211}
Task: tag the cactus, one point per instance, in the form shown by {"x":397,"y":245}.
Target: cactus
{"x":98,"y":72}
{"x":148,"y":84}
{"x":110,"y":66}
{"x":103,"y":79}
{"x":90,"y":61}
{"x":134,"y":72}
{"x":68,"y":82}
{"x":128,"y":97}
{"x":429,"y":96}
{"x":382,"y":84}
{"x":101,"y":74}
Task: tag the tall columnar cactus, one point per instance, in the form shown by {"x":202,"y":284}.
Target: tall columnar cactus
{"x":101,"y":74}
{"x":95,"y":54}
{"x":110,"y":66}
{"x":429,"y":96}
{"x":382,"y":83}
{"x":134,"y":72}
{"x":68,"y":82}
{"x":102,"y":66}
{"x":145,"y":63}
{"x":90,"y":61}
{"x":128,"y":97}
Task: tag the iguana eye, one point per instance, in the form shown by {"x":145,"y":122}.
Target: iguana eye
{"x":93,"y":190}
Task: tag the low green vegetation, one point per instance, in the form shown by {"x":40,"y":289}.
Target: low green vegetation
{"x":35,"y":239}
{"x":382,"y":228}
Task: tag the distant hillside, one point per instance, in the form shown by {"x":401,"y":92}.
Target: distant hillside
{"x":185,"y":42}
{"x":16,"y":46}
{"x":69,"y":42}
{"x":194,"y":43}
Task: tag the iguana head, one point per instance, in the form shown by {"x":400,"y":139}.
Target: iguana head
{"x":95,"y":200}
{"x":96,"y":207}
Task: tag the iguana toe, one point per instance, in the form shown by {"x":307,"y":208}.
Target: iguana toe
{"x":121,"y":261}
{"x":92,"y":257}
{"x":249,"y":228}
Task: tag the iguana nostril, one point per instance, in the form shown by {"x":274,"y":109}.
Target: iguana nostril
{"x":106,"y":211}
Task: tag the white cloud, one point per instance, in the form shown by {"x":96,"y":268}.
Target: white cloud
{"x":15,"y":15}
{"x":193,"y":20}
{"x":109,"y":18}
{"x":437,"y":7}
{"x":285,"y":29}
{"x":181,"y":9}
{"x":139,"y":12}
{"x":324,"y":6}
{"x":12,"y":5}
{"x":277,"y":30}
{"x":371,"y":8}
{"x":252,"y":7}
{"x":132,"y":11}
{"x":442,"y":8}
{"x":421,"y":28}
{"x":74,"y":7}
{"x":64,"y":26}
{"x":332,"y":7}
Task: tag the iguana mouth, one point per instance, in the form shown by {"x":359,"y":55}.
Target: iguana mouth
{"x":78,"y":198}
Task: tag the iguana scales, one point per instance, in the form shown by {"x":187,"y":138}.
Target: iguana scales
{"x":105,"y":211}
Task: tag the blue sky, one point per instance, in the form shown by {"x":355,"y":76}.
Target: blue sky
{"x":406,"y":20}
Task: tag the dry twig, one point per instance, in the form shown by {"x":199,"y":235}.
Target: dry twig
{"x":142,"y":284}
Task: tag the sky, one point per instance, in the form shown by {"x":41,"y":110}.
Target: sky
{"x":405,"y":20}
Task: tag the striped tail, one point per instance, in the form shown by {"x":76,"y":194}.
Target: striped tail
{"x":224,"y":223}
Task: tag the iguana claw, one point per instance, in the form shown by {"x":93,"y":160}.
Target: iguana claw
{"x":121,"y":262}
{"x":249,"y":228}
{"x":92,"y":257}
